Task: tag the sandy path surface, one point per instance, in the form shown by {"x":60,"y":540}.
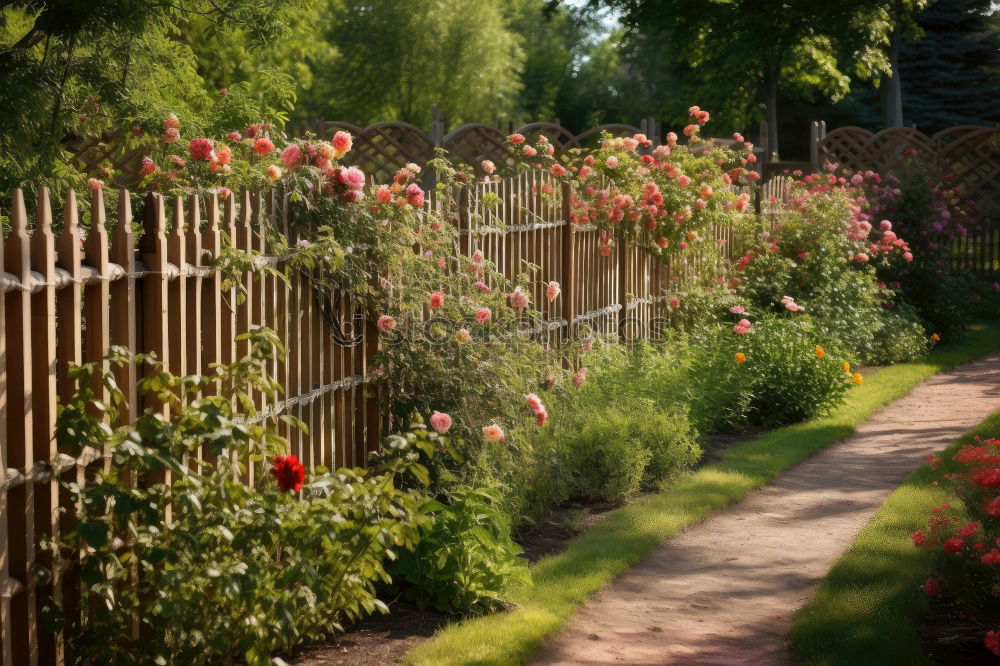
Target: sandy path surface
{"x":724,"y":591}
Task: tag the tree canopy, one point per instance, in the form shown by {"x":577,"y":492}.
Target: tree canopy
{"x":733,"y":56}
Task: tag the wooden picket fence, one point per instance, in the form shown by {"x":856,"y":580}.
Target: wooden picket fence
{"x":73,"y":287}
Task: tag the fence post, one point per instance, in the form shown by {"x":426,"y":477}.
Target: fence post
{"x":568,"y":261}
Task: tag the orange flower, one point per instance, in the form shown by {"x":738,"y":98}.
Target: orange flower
{"x":857,"y":379}
{"x":935,"y":337}
{"x":847,"y":367}
{"x":819,"y":352}
{"x":740,"y":357}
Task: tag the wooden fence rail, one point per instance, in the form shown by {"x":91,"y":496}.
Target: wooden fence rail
{"x":70,"y":294}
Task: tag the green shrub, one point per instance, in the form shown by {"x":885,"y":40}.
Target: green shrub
{"x":607,"y":460}
{"x":671,"y":442}
{"x":467,"y":560}
{"x":782,"y":380}
{"x":239,"y":571}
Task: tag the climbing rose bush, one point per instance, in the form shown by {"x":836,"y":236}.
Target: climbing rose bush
{"x":823,"y":256}
{"x":667,"y":198}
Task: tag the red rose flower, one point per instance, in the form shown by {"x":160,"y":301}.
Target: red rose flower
{"x":201,"y":149}
{"x":953,"y":545}
{"x":931,"y":587}
{"x":992,"y":642}
{"x":289,"y":473}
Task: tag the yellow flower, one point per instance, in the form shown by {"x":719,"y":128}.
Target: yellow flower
{"x":462,"y":336}
{"x":857,"y":379}
{"x":740,"y":357}
{"x":819,"y":352}
{"x":935,"y":337}
{"x":847,"y":367}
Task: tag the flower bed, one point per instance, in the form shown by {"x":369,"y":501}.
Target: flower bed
{"x":491,"y":427}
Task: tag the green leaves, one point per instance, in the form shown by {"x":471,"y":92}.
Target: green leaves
{"x":237,"y":570}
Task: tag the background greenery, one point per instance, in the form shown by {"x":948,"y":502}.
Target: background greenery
{"x":73,"y":70}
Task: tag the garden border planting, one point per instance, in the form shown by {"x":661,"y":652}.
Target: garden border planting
{"x":563,"y":582}
{"x":868,"y":608}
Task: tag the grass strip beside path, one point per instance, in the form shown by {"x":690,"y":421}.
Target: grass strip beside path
{"x":625,"y":537}
{"x":869,"y":607}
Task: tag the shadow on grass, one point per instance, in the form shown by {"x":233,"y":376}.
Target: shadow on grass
{"x":869,"y":607}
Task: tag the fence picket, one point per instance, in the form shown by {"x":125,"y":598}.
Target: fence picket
{"x":22,"y":636}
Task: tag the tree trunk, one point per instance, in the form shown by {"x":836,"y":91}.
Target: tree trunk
{"x":892,"y":88}
{"x":771,"y":107}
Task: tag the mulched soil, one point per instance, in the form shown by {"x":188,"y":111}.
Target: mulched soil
{"x":951,"y":637}
{"x":568,"y":520}
{"x":378,"y":640}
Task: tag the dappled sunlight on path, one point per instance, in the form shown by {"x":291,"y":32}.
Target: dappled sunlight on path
{"x":724,"y":591}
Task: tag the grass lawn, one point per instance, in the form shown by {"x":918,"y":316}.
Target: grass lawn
{"x":869,"y":607}
{"x":562,"y":582}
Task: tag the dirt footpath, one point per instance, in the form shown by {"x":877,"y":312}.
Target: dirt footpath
{"x":725,"y":590}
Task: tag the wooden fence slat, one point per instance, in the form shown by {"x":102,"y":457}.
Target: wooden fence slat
{"x":6,"y":638}
{"x":23,"y":638}
{"x":123,"y":324}
{"x":211,"y":244}
{"x":194,"y":283}
{"x":44,"y":359}
{"x":68,"y":325}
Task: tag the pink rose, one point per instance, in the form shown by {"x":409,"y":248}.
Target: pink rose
{"x":386,"y":323}
{"x":291,"y":155}
{"x":436,"y":299}
{"x":552,"y":291}
{"x":519,"y":299}
{"x":414,"y":195}
{"x":441,"y":422}
{"x":483,"y":315}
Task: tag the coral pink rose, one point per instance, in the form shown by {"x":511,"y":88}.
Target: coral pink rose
{"x":263,"y":146}
{"x":386,"y":323}
{"x":493,"y":433}
{"x":342,"y":143}
{"x":436,"y":299}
